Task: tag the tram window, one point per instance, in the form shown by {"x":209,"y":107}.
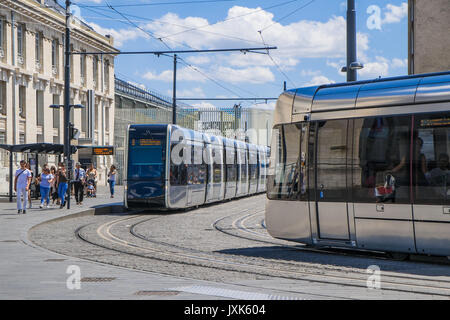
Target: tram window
{"x":431,"y":167}
{"x":285,"y":167}
{"x":332,"y":161}
{"x":217,"y":173}
{"x":231,"y":172}
{"x":244,"y":165}
{"x":381,"y":160}
{"x":178,"y":172}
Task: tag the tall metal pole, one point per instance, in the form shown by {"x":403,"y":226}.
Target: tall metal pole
{"x":174,"y":106}
{"x":351,"y":40}
{"x":67,"y":147}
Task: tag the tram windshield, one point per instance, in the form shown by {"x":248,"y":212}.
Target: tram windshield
{"x":146,"y":157}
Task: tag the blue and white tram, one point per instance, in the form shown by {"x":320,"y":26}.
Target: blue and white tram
{"x":363,"y":165}
{"x":170,"y":167}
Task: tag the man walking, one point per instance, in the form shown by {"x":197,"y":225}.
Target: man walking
{"x":21,"y":186}
{"x":80,"y":176}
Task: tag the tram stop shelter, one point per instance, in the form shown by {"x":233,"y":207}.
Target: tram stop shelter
{"x":45,"y":148}
{"x":36,"y":148}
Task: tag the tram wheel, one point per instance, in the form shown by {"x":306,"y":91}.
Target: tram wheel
{"x":399,"y":256}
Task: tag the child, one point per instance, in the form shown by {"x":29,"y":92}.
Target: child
{"x":90,"y":189}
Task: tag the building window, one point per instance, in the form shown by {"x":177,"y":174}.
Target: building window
{"x":84,"y":118}
{"x":55,"y":56}
{"x":95,"y":70}
{"x":20,"y":43}
{"x":72,"y":112}
{"x":22,"y":101}
{"x":96,"y":116}
{"x":39,"y":108}
{"x":2,"y":37}
{"x":83,"y":67}
{"x":56,"y":112}
{"x":3,"y":97}
{"x":38,"y":50}
{"x":22,"y":138}
{"x":106,"y":118}
{"x":2,"y":137}
{"x":71,"y":64}
{"x":106,"y":74}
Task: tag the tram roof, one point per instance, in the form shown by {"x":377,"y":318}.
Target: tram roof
{"x":382,"y":92}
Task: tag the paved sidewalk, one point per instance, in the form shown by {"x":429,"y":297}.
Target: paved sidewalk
{"x":31,"y":272}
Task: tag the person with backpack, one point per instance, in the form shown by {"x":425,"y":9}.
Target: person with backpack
{"x":22,"y":186}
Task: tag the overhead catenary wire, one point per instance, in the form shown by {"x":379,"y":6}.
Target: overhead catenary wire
{"x":138,"y":27}
{"x":231,"y":18}
{"x":274,"y":62}
{"x":288,"y":15}
{"x":153,"y":4}
{"x":179,"y":58}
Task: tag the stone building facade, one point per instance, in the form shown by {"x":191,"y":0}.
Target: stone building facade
{"x":32,"y":79}
{"x":429,"y":41}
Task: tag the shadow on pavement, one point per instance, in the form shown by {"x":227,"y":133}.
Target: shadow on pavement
{"x":353,"y":259}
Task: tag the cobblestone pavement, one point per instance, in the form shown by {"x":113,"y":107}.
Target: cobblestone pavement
{"x":29,"y":271}
{"x":227,"y":244}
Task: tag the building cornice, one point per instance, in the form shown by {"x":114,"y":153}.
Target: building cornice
{"x":55,"y":20}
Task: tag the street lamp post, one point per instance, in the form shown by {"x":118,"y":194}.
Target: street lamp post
{"x":352,"y":65}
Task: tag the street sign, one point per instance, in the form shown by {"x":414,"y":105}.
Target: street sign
{"x":103,"y":151}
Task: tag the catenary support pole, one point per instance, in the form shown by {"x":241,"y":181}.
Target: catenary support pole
{"x":351,"y":40}
{"x":174,"y":100}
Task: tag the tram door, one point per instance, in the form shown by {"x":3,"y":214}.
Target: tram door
{"x":331,"y":179}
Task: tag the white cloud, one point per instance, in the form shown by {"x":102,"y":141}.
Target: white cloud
{"x":183,"y":74}
{"x":318,"y":80}
{"x":189,"y":93}
{"x":204,"y":105}
{"x":399,"y":63}
{"x":256,"y":75}
{"x":395,"y":13}
{"x":375,"y":69}
{"x":302,"y":39}
{"x":199,"y":60}
{"x":120,"y":36}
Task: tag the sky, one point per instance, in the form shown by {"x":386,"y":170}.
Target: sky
{"x":310,"y":36}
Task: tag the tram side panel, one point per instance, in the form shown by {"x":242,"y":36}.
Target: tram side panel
{"x":213,"y":153}
{"x":178,"y":176}
{"x":287,"y":207}
{"x":242,"y":177}
{"x":252,"y":169}
{"x":231,"y":169}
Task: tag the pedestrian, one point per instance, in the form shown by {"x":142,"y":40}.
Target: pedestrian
{"x":62,"y":185}
{"x":92,"y":177}
{"x":80,"y":176}
{"x":53,"y":185}
{"x":22,"y":186}
{"x":32,"y":184}
{"x":46,"y":180}
{"x":112,"y":179}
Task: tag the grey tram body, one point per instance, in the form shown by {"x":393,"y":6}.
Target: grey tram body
{"x":352,"y":135}
{"x":213,"y":169}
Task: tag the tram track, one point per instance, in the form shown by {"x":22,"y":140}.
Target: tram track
{"x":159,"y":250}
{"x":239,"y":224}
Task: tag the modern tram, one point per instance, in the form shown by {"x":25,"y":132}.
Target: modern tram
{"x":170,"y":167}
{"x":363,"y":165}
